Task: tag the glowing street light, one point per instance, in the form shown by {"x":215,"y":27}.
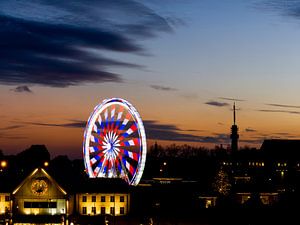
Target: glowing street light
{"x":3,"y":163}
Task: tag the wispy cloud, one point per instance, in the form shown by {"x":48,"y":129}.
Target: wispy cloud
{"x":216,"y":103}
{"x":282,"y":133}
{"x":11,"y":136}
{"x":278,"y":111}
{"x":61,"y":43}
{"x":75,"y":124}
{"x":288,"y":8}
{"x":9,"y":132}
{"x":257,"y":141}
{"x":162,"y":88}
{"x":232,"y":99}
{"x":11,"y":127}
{"x":284,"y":106}
{"x":154,"y":131}
{"x":168,"y":132}
{"x":22,"y":88}
{"x":249,"y":129}
{"x":189,"y":96}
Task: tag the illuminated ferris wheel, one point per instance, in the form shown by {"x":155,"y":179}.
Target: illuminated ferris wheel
{"x":114,"y":143}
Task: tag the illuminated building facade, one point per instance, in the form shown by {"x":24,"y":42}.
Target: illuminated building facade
{"x":5,"y":203}
{"x":39,"y":195}
{"x":93,"y":204}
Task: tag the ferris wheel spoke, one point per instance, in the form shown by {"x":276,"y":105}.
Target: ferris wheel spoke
{"x":97,"y":170}
{"x":124,"y":123}
{"x":93,"y":149}
{"x":94,"y":139}
{"x":131,"y":130}
{"x":95,"y":159}
{"x":118,"y":165}
{"x":112,"y":168}
{"x":129,"y":154}
{"x":106,"y":119}
{"x":95,"y":128}
{"x":112,"y":118}
{"x":131,"y":142}
{"x":98,"y":167}
{"x":129,"y":167}
{"x":123,"y":170}
{"x":100,"y":122}
{"x":103,"y":168}
{"x":117,"y":123}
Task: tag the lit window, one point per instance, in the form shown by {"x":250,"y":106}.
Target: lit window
{"x":121,"y":198}
{"x":263,"y":164}
{"x":93,"y":198}
{"x":284,"y":164}
{"x":84,"y":198}
{"x":122,"y":210}
{"x":102,"y":210}
{"x":208,"y":204}
{"x":102,"y":198}
{"x":94,"y":210}
{"x":112,"y":210}
{"x":278,"y":164}
{"x":84,"y":210}
{"x":112,"y":198}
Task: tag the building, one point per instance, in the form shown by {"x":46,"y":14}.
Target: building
{"x":39,"y":198}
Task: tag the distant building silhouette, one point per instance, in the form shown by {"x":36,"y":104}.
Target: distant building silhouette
{"x":234,"y":133}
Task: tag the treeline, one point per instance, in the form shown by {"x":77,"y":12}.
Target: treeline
{"x":162,"y":161}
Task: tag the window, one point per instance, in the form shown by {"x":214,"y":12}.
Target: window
{"x":103,"y":210}
{"x":112,"y":210}
{"x":94,"y":210}
{"x":93,"y":198}
{"x":43,"y":205}
{"x":112,"y":198}
{"x":121,"y":198}
{"x":122,"y":210}
{"x":83,"y":198}
{"x":102,"y":198}
{"x":84,"y":210}
{"x":7,"y":198}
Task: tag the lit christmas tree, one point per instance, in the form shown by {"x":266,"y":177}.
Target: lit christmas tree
{"x":222,"y":184}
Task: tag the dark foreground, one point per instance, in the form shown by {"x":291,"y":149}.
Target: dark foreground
{"x":205,"y":217}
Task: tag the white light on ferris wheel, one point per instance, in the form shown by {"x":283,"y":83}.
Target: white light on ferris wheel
{"x":114,"y":143}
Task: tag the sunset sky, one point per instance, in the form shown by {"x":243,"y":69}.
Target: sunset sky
{"x":182,"y":64}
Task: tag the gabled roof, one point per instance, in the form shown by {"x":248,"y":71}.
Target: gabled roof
{"x":281,"y":149}
{"x":41,"y":171}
